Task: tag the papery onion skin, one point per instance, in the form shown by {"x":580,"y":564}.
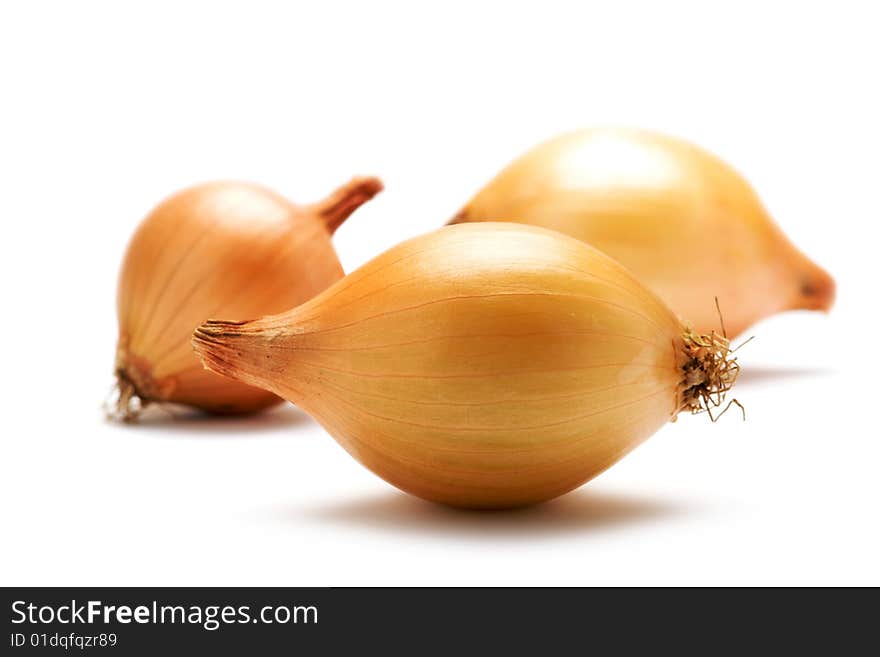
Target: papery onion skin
{"x":485,"y":365}
{"x":684,"y":222}
{"x":230,"y":248}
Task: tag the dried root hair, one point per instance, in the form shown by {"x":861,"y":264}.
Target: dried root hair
{"x":709,"y":373}
{"x":124,"y":403}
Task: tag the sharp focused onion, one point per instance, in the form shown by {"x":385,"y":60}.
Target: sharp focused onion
{"x":680,"y":219}
{"x":485,"y":365}
{"x":233,"y":249}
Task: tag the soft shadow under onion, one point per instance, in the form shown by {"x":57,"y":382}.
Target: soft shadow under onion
{"x":172,"y":421}
{"x":582,"y":511}
{"x":751,"y":375}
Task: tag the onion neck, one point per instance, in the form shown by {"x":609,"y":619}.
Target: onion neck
{"x":816,"y":289}
{"x":339,"y":206}
{"x":461,"y":217}
{"x":243,"y":351}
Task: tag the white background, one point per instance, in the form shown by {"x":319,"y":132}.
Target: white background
{"x":106,"y":108}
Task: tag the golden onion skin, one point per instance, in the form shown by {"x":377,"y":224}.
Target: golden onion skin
{"x":485,"y":365}
{"x":228,"y":248}
{"x":684,"y":222}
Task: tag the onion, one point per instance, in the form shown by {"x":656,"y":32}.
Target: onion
{"x":224,"y":248}
{"x":680,"y":219}
{"x":484,"y":365}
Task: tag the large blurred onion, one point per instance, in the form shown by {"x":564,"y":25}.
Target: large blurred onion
{"x":687,"y":224}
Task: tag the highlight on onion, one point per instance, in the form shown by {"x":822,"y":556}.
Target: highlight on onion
{"x":484,"y":365}
{"x":684,"y":222}
{"x":223,"y":248}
